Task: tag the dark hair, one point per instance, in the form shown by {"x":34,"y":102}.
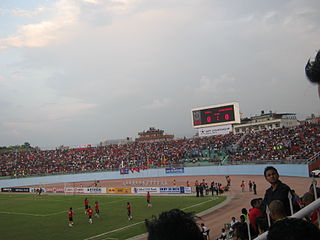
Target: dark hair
{"x":270,"y":168}
{"x":241,"y":230}
{"x":312,"y":69}
{"x":254,"y":201}
{"x":173,"y":224}
{"x":244,"y":211}
{"x":293,"y":229}
{"x":262,"y":223}
{"x":242,"y":218}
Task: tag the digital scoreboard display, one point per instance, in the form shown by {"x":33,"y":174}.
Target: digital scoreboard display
{"x":216,"y":115}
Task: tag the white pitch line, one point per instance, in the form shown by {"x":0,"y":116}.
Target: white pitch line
{"x":37,"y":215}
{"x":128,"y":226}
{"x":52,"y":214}
{"x":197,"y":204}
{"x":115,"y":230}
{"x":28,"y":214}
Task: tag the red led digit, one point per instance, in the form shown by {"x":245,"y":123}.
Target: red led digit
{"x":209,"y":119}
{"x":226,"y":117}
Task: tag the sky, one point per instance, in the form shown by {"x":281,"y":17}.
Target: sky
{"x":75,"y":72}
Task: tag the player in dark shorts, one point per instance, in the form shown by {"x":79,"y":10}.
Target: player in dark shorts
{"x":86,"y":205}
{"x":129,"y":211}
{"x":97,"y":209}
{"x":149,"y":200}
{"x":70,"y":215}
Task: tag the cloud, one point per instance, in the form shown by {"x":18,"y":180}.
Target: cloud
{"x":28,"y":14}
{"x":65,"y":109}
{"x":47,"y":118}
{"x":56,"y":23}
{"x":158,"y":103}
{"x":215,"y":87}
{"x":91,"y":1}
{"x":65,"y":15}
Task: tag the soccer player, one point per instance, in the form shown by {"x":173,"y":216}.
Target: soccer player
{"x":86,"y":205}
{"x":148,"y":200}
{"x":89,"y":212}
{"x":129,"y":211}
{"x":70,"y":215}
{"x":96,"y":207}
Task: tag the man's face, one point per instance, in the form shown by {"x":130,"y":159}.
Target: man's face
{"x":272,"y":176}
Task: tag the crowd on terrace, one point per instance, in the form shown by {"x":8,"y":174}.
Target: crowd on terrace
{"x":300,"y":142}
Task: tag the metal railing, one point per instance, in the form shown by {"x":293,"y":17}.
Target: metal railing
{"x":302,"y":213}
{"x":313,"y":158}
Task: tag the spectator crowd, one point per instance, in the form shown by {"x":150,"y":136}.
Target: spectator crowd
{"x":300,"y":142}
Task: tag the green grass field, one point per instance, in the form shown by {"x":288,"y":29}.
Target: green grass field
{"x":24,"y":217}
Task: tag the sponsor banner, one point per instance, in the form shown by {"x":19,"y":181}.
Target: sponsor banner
{"x":54,"y":190}
{"x":145,"y":189}
{"x":170,"y":190}
{"x":92,"y":190}
{"x":174,"y":170}
{"x":74,"y":190}
{"x":218,"y":130}
{"x":96,"y":190}
{"x":6,"y":190}
{"x":122,"y":190}
{"x":175,"y":190}
{"x":187,"y":190}
{"x":124,"y":170}
{"x":33,"y":190}
{"x":17,"y":190}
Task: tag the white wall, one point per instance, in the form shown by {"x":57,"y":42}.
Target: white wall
{"x":298,"y":170}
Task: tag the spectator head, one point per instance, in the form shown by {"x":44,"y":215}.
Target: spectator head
{"x":293,"y":229}
{"x":242,"y":219}
{"x":271,"y":174}
{"x":244,"y":211}
{"x":262,"y":224}
{"x":256,"y":202}
{"x":240,"y":230}
{"x":277,"y":210}
{"x":233,"y":219}
{"x":307,"y":198}
{"x":173,"y":224}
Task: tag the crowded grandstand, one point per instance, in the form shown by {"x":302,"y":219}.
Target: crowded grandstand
{"x":293,"y":144}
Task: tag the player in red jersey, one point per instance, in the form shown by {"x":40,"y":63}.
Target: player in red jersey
{"x":70,"y":215}
{"x":89,"y":213}
{"x":86,"y":205}
{"x":129,"y":211}
{"x":148,"y":200}
{"x":96,"y":207}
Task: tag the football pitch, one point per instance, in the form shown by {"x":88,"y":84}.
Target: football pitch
{"x":24,"y":217}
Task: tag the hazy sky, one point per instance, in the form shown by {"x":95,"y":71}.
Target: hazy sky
{"x":76,"y":72}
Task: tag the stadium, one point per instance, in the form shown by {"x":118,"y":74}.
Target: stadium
{"x":220,"y":160}
{"x":120,"y":119}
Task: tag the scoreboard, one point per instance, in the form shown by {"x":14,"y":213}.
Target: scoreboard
{"x":216,"y":115}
